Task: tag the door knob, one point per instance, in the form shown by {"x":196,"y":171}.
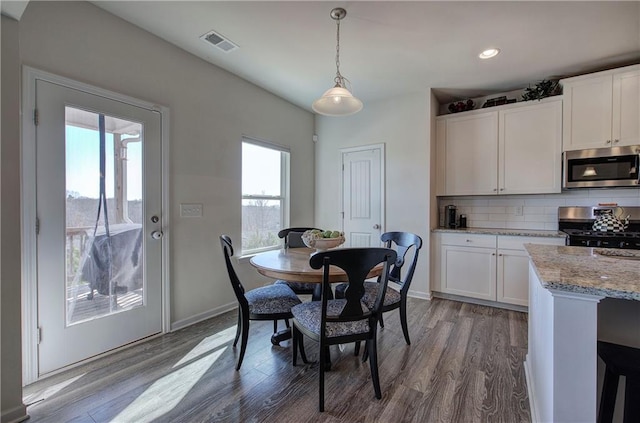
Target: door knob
{"x":376,"y":226}
{"x":156,"y":234}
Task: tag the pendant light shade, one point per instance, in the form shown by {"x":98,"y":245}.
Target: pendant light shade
{"x":338,"y":100}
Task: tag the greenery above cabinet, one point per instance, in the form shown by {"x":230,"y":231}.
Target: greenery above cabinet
{"x":602,"y":109}
{"x":513,"y":149}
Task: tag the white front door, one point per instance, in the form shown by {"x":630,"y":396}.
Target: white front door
{"x":99,"y":235}
{"x":362,"y":195}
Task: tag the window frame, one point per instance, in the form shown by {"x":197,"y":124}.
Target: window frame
{"x":284,"y":197}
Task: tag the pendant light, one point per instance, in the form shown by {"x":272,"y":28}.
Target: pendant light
{"x":338,"y":100}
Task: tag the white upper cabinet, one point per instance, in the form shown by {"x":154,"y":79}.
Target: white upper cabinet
{"x":530,"y":153}
{"x":602,"y":109}
{"x":625,"y":128}
{"x":515,"y":149}
{"x":467,"y":154}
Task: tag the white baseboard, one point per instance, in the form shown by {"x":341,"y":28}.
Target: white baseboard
{"x":15,"y":415}
{"x":420,"y":294}
{"x":478,"y":301}
{"x":530,"y":390}
{"x":203,"y":316}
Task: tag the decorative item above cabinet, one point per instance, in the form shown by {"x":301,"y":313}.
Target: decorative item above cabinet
{"x":542,"y":89}
{"x":513,"y":150}
{"x":602,"y":109}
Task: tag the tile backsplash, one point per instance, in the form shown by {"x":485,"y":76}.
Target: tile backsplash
{"x":532,"y":211}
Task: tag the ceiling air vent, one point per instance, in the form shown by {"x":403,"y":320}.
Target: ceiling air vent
{"x":219,"y":41}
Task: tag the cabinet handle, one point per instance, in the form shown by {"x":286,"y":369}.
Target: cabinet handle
{"x":500,"y":255}
{"x":608,"y":141}
{"x":616,"y":141}
{"x":493,"y":254}
{"x":495,"y":189}
{"x":501,"y":189}
{"x":468,"y":240}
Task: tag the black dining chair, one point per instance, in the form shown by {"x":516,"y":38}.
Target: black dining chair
{"x":402,"y":243}
{"x":339,"y":321}
{"x":293,"y":239}
{"x":271,"y":302}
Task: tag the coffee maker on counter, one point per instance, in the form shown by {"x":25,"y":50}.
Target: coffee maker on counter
{"x":450,"y":219}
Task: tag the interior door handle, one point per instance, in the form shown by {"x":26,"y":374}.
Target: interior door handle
{"x":376,"y":226}
{"x":156,"y":234}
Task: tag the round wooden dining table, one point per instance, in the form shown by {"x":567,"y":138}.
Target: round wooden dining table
{"x":292,"y":264}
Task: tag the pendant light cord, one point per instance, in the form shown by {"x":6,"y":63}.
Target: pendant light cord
{"x":339,"y":79}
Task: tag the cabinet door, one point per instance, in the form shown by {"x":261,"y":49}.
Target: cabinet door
{"x":626,"y":108}
{"x":530,"y":149}
{"x":471,"y":154}
{"x":468,"y":271}
{"x":587,"y":113}
{"x":513,"y":277}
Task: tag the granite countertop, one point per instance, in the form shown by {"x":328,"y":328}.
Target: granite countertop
{"x":508,"y":232}
{"x":596,"y":271}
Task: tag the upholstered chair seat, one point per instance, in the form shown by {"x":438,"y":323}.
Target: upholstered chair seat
{"x":301,"y":288}
{"x":371,"y":293}
{"x":308,"y":316}
{"x":272,"y":299}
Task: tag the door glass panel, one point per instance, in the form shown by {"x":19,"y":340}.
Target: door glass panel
{"x":103,"y":247}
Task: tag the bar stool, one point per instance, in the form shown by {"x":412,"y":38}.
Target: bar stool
{"x":620,"y":360}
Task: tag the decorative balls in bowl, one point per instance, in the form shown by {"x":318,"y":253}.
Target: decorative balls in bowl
{"x":322,"y":240}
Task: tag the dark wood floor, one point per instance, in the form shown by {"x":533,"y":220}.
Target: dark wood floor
{"x":465,"y":364}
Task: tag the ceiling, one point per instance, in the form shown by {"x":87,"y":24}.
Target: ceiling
{"x":390,"y":48}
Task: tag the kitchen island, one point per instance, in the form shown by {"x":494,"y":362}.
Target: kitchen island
{"x":566,"y":285}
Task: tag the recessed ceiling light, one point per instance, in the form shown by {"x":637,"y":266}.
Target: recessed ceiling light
{"x":489,"y":53}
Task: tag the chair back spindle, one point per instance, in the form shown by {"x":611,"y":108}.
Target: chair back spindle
{"x":238,"y":289}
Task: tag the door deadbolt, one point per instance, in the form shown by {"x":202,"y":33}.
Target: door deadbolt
{"x":155,"y":219}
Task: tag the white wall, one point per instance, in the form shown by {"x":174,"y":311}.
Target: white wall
{"x":210,"y":111}
{"x":402,"y":124}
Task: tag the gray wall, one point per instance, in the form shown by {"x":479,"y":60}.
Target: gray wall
{"x":403,"y":125}
{"x":11,"y":371}
{"x":210,"y":111}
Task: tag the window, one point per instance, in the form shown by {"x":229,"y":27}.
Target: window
{"x":265,"y":195}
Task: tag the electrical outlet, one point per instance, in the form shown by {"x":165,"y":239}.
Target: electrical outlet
{"x":190,"y":210}
{"x":518,"y":210}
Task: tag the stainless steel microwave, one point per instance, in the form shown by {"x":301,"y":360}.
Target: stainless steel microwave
{"x":602,"y":167}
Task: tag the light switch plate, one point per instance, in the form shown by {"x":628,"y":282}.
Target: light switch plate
{"x":190,"y":210}
{"x":518,"y":210}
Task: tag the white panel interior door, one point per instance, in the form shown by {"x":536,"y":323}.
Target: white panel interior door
{"x":362,"y":191}
{"x":99,"y":245}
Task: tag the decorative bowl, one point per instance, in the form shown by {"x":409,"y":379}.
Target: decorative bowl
{"x":315,"y":240}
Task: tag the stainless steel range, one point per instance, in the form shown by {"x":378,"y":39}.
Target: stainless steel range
{"x":601,"y":226}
